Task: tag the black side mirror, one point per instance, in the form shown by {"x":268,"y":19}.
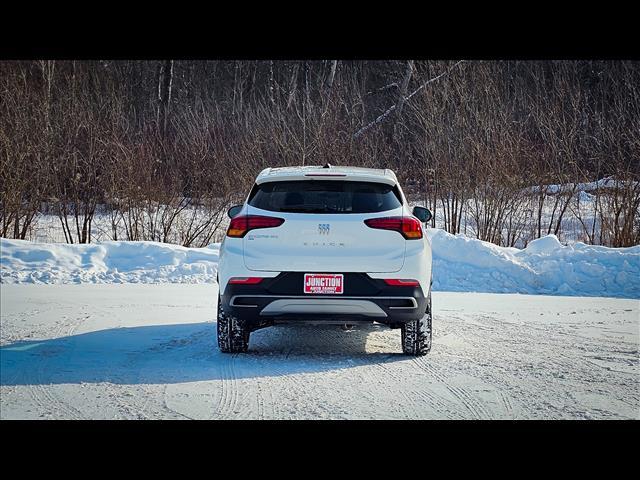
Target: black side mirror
{"x":422,"y":214}
{"x":233,"y":211}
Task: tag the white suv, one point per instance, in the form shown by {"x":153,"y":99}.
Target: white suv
{"x":325,"y":245}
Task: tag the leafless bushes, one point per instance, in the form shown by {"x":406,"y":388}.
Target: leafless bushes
{"x":493,"y":130}
{"x":22,"y":155}
{"x":164,"y":148}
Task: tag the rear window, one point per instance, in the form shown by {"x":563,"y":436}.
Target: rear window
{"x":326,"y":196}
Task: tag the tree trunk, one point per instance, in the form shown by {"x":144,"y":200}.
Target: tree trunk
{"x":404,"y":88}
{"x":165,"y":82}
{"x":271,"y":84}
{"x":402,"y":96}
{"x":293,"y":84}
{"x":332,"y":74}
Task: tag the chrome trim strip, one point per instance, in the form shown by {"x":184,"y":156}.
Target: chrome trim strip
{"x":413,"y":302}
{"x":336,"y":306}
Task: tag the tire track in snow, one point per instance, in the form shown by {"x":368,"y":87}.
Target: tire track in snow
{"x":549,"y":354}
{"x":129,"y":409}
{"x":475,"y":331}
{"x":444,"y":407}
{"x":41,"y":392}
{"x":46,"y":401}
{"x":430,"y":398}
{"x":506,"y":403}
{"x":468,"y":400}
{"x":267,"y":405}
{"x":287,"y":348}
{"x":167,"y":408}
{"x":514,"y":361}
{"x":473,"y":405}
{"x":259,"y":400}
{"x":229,"y":397}
{"x":276,"y":376}
{"x":381,"y":374}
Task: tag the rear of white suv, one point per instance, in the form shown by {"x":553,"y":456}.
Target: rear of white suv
{"x":325,"y":245}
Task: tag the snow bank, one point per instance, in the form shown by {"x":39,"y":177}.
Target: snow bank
{"x":106,"y":262}
{"x":461,"y":264}
{"x":464,"y":264}
{"x":603,"y":183}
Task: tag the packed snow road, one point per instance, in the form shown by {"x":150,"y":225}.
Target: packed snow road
{"x":149,"y":351}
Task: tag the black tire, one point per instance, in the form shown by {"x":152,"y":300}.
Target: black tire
{"x":233,"y":334}
{"x":416,"y":335}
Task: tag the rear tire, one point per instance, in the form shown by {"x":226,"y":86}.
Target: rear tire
{"x":416,"y":335}
{"x":233,"y":333}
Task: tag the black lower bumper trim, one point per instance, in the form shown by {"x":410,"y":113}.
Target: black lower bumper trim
{"x":399,"y":304}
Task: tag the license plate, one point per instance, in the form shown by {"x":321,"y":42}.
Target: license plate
{"x":324,"y":283}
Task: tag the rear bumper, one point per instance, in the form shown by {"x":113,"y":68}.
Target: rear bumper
{"x":280,"y":299}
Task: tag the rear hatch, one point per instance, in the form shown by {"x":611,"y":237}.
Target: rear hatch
{"x":324,"y":229}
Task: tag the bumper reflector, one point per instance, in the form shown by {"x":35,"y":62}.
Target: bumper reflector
{"x":395,"y":282}
{"x":245,"y":280}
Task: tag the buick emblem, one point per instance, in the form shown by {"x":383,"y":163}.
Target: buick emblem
{"x":324,"y":228}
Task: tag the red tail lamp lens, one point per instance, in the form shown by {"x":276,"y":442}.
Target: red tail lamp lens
{"x":396,"y":282}
{"x":239,"y":226}
{"x":245,"y":280}
{"x":409,"y":227}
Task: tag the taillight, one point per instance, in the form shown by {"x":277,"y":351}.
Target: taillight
{"x":239,"y":226}
{"x":409,"y":227}
{"x":397,"y":282}
{"x":245,"y":280}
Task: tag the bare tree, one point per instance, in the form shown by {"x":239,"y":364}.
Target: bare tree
{"x":504,"y":150}
{"x":165,"y":82}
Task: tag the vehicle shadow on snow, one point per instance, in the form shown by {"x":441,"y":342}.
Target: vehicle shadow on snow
{"x":189,"y":353}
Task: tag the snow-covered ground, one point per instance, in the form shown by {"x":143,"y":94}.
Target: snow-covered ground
{"x":149,"y":351}
{"x":127,"y":330}
{"x":461,"y":264}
